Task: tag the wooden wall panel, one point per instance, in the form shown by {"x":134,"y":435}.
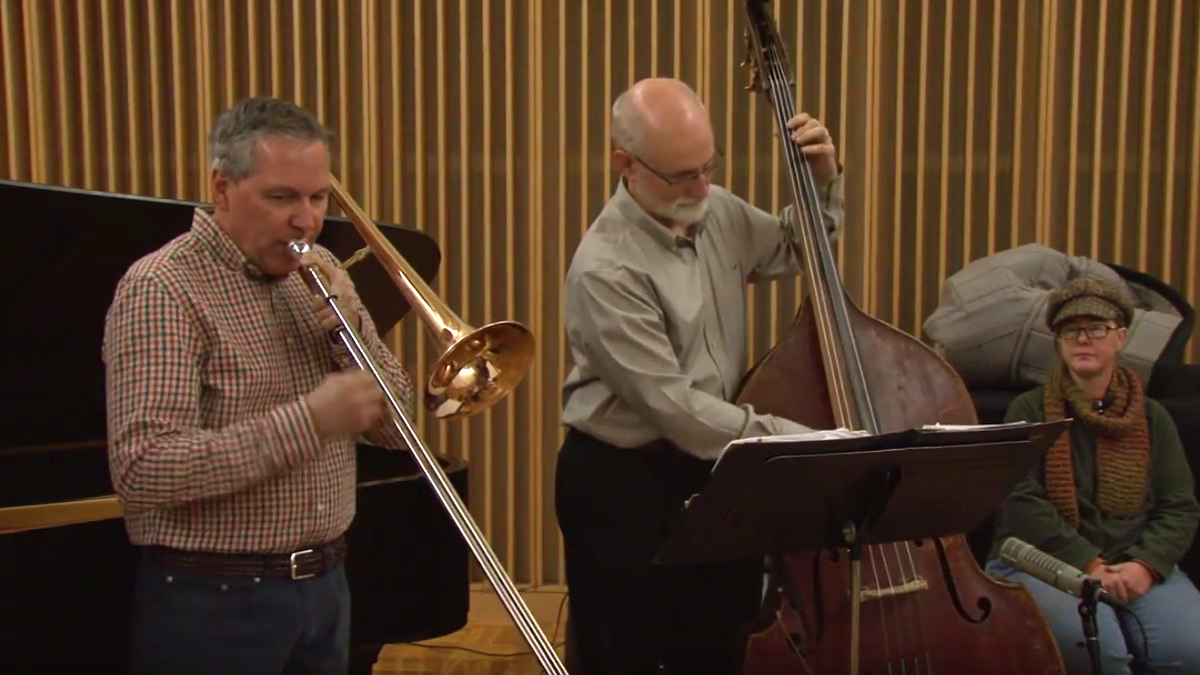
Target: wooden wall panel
{"x":965,"y":128}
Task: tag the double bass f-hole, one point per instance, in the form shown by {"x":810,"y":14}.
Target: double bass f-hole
{"x":896,"y":607}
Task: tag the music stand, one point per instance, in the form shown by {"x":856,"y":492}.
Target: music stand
{"x":775,"y":497}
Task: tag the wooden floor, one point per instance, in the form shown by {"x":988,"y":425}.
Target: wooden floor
{"x":489,"y":644}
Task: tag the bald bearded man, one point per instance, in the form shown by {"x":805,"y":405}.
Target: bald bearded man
{"x":655,"y":318}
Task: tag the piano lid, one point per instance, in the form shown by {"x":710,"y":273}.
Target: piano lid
{"x":65,"y":249}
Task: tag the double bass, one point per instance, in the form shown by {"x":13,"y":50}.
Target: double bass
{"x":923,"y":606}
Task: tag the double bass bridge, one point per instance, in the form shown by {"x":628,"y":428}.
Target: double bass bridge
{"x":915,"y":585}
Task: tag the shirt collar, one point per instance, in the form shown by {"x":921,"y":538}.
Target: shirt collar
{"x":223,"y":249}
{"x":634,"y":213}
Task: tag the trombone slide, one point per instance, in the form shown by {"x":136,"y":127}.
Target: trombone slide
{"x":466,"y":525}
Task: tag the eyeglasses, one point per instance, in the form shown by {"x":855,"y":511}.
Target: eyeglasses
{"x":705,"y":171}
{"x":1096,"y":331}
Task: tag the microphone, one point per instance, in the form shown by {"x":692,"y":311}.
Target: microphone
{"x":1070,"y":580}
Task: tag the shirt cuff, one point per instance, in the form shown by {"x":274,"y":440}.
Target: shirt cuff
{"x":295,"y":440}
{"x":1079,"y":553}
{"x":835,"y":188}
{"x":1160,"y":569}
{"x":1153,"y":572}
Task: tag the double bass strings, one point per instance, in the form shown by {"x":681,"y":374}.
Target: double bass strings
{"x":780,"y":87}
{"x":832,"y":305}
{"x":818,"y":268}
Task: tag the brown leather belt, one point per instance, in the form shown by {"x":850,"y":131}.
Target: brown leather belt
{"x":302,"y":564}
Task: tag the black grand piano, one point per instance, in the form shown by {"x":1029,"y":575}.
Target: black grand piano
{"x":66,"y":565}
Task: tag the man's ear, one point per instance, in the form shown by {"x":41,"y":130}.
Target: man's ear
{"x":220,"y":187}
{"x":622,"y":160}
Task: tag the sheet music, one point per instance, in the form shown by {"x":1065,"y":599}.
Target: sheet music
{"x":815,"y":435}
{"x":972,"y":427}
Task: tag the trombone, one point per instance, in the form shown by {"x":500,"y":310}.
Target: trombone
{"x":477,"y":367}
{"x":475,"y":370}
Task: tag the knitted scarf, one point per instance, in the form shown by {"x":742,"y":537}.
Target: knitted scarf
{"x":1122,"y":445}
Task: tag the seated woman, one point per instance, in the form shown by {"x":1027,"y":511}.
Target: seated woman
{"x":1113,"y":497}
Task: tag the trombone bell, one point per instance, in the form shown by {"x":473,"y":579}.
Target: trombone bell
{"x":475,"y":367}
{"x":479,"y":369}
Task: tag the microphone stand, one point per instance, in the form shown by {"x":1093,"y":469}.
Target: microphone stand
{"x":1087,"y":614}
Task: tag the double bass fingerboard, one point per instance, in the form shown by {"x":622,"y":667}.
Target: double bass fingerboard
{"x":848,"y":389}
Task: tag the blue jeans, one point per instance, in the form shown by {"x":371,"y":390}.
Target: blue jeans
{"x":190,"y":624}
{"x":1170,"y":613}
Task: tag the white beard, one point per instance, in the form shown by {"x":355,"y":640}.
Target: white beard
{"x":684,"y":212}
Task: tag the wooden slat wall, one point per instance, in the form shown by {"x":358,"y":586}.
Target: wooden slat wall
{"x":965,"y":128}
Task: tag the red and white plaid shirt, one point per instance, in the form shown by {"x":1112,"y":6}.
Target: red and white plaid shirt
{"x":210,"y":444}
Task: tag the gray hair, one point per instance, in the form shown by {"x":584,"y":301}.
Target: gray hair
{"x":231,"y":144}
{"x":627,"y":119}
{"x":626,"y":123}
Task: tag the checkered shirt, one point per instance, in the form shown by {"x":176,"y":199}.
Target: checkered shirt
{"x":210,"y":444}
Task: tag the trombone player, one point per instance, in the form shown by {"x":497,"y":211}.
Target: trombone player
{"x":232,"y":416}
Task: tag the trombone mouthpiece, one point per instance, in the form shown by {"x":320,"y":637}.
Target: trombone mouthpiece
{"x":299,"y":246}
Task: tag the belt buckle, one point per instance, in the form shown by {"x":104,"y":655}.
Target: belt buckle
{"x":295,"y":575}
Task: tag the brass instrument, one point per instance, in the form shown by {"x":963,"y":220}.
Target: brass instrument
{"x":476,"y":369}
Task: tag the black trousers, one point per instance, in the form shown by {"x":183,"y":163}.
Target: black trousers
{"x":629,"y":616}
{"x":199,"y":624}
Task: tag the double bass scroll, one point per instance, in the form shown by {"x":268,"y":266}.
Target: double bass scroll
{"x":912,"y":606}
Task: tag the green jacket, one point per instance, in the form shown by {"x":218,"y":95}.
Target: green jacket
{"x":1159,"y":536}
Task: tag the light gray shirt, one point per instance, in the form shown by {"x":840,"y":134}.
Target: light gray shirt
{"x":656,"y":322}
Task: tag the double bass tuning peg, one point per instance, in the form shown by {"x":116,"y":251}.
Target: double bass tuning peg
{"x":751,"y":64}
